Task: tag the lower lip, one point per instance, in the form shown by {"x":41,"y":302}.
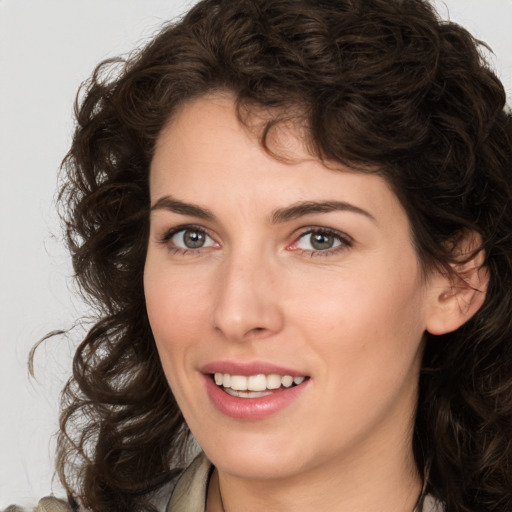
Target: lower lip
{"x":252,"y":408}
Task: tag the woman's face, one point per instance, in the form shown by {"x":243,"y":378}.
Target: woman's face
{"x":259,"y":271}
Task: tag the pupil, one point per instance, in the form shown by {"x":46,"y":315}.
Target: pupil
{"x":322,"y":241}
{"x":193,"y":239}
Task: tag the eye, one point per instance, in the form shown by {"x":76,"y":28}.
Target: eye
{"x":188,"y":238}
{"x":318,"y":241}
{"x":321,"y":240}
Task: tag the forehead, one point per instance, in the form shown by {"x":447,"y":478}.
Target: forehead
{"x":206,"y":155}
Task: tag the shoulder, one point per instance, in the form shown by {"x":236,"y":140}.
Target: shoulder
{"x":48,"y":504}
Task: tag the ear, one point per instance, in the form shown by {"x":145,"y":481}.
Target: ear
{"x":455,"y":297}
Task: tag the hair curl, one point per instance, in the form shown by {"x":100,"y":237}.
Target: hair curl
{"x":380,"y":84}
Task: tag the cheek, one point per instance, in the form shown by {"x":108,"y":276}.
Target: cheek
{"x":366,"y":317}
{"x":375,"y":298}
{"x":177,"y":310}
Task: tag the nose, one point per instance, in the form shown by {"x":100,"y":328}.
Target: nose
{"x":248,"y":304}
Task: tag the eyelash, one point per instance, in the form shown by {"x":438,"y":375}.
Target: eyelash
{"x":344,"y":241}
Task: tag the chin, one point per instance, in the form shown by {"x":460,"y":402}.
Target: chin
{"x":257,"y":459}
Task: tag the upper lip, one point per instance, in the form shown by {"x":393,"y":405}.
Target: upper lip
{"x":250,"y":368}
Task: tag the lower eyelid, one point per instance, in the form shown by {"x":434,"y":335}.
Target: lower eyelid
{"x":319,"y":254}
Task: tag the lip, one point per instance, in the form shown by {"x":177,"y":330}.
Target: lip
{"x":246,"y":369}
{"x":251,"y":409}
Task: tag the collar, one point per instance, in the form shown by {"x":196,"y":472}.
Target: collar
{"x":189,"y":495}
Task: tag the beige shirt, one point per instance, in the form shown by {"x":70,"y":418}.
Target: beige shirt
{"x":48,"y":504}
{"x":189,"y":495}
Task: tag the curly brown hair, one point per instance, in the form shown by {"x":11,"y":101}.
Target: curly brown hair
{"x":379,"y":84}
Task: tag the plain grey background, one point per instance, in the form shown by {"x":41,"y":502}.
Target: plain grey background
{"x":47,"y":48}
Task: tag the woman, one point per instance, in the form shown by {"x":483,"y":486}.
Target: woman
{"x":295,"y":220}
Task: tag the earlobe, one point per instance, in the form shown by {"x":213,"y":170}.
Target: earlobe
{"x":457,"y":296}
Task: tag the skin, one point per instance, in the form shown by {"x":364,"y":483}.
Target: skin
{"x":352,"y":318}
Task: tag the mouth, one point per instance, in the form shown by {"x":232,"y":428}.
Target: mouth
{"x":255,"y":386}
{"x":255,"y":390}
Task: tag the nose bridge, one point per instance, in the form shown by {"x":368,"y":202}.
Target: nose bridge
{"x":247,"y":303}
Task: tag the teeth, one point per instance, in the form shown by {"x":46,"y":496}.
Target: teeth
{"x":287,"y":381}
{"x":239,"y":382}
{"x":247,"y":394}
{"x":258,"y":382}
{"x":273,"y":381}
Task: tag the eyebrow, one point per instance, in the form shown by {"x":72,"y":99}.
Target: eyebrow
{"x":174,"y":205}
{"x":310,"y":207}
{"x":280,"y":215}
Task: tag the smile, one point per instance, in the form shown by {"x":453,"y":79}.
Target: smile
{"x":254,"y":386}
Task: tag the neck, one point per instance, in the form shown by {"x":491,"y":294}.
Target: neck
{"x":389,"y":483}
